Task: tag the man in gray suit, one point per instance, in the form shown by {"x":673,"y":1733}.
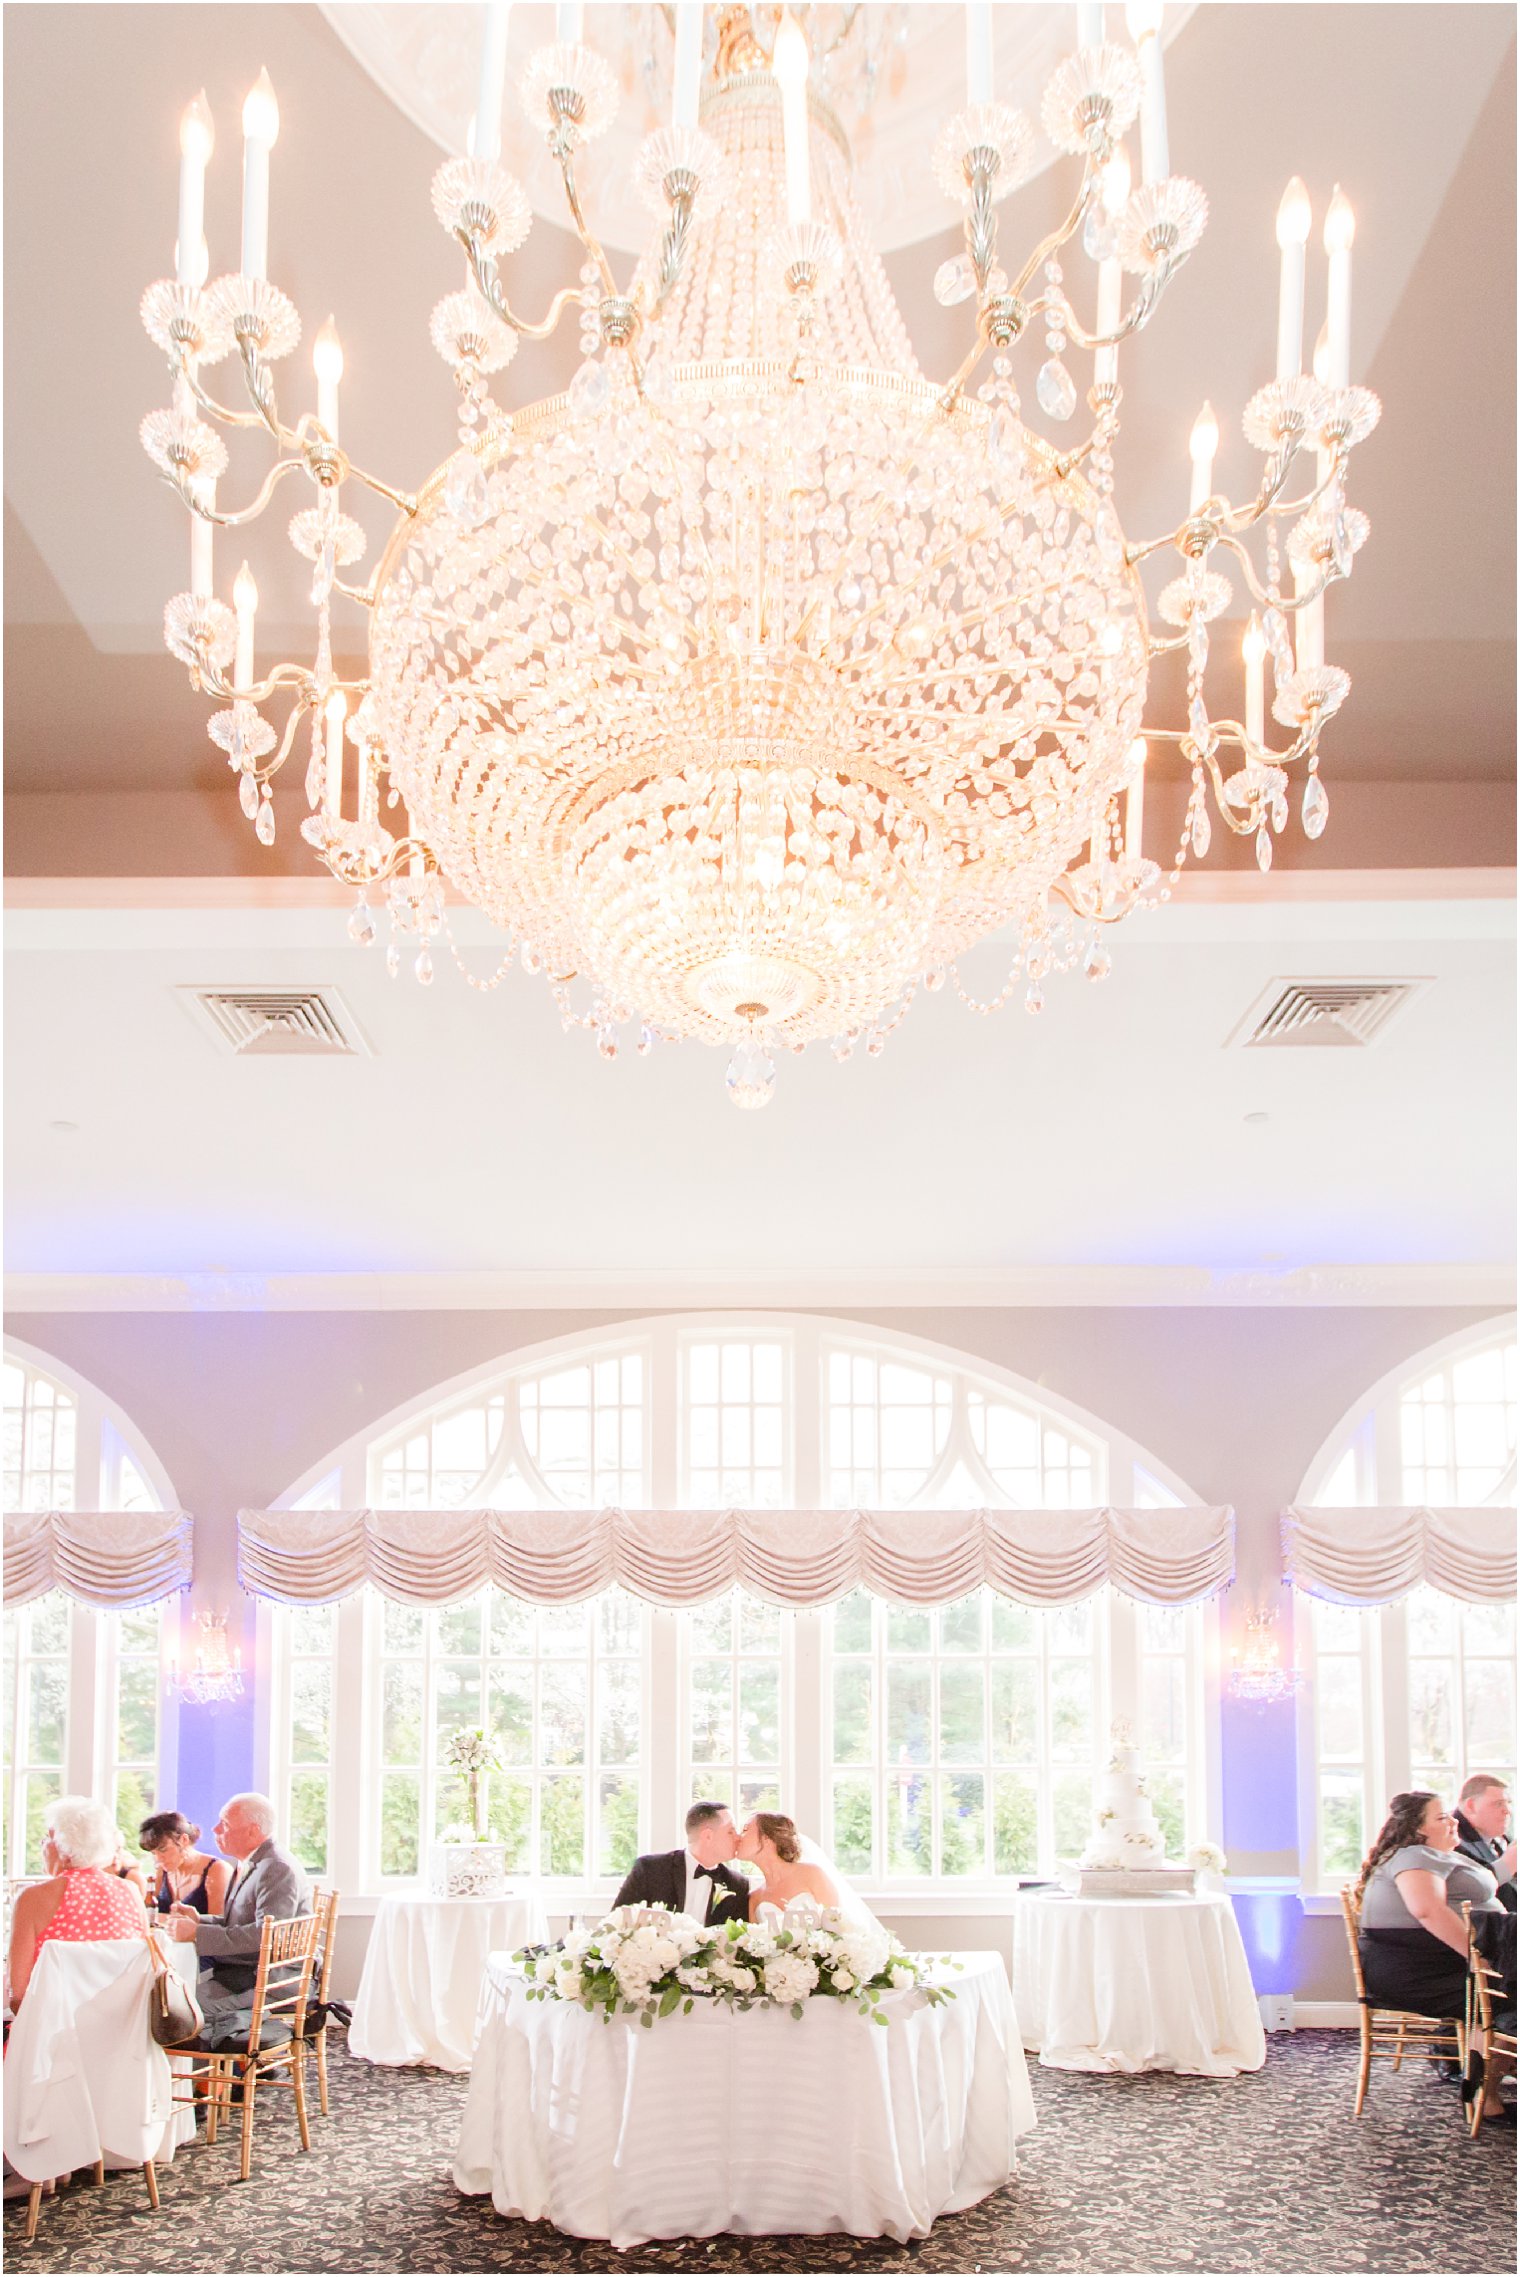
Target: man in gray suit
{"x":268,"y":1885}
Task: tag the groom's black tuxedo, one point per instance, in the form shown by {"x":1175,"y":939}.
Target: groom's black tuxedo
{"x":660,"y":1879}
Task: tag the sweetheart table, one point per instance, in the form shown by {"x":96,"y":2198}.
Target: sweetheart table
{"x":759,"y":2123}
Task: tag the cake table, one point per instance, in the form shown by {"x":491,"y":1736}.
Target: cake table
{"x":420,"y":1992}
{"x":1135,"y":1984}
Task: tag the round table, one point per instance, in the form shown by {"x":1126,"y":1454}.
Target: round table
{"x":419,"y":1996}
{"x":1135,"y":1984}
{"x":760,"y":2123}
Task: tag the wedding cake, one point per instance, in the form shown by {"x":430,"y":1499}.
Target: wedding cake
{"x":1127,"y":1852}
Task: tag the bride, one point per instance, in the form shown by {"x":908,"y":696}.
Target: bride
{"x":795,"y":1870}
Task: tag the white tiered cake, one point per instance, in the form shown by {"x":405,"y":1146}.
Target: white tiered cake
{"x":1127,"y":1853}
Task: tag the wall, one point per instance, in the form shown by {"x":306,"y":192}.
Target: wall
{"x":1235,"y":1400}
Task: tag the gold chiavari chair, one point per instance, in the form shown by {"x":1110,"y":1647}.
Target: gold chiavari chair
{"x":1394,"y":2032}
{"x":324,"y":1906}
{"x":273,"y":2053}
{"x":1484,"y":2038}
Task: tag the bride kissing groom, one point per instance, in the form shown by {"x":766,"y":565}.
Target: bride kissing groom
{"x":699,"y":1880}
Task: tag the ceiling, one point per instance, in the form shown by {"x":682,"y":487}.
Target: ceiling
{"x":478,"y":1138}
{"x":1111,"y":1132}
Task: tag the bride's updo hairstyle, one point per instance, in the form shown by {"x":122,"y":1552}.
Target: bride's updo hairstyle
{"x":781,"y":1834}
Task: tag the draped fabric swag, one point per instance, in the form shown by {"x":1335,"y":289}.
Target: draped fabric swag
{"x":104,"y":1557}
{"x":791,"y":1557}
{"x":1371,"y":1556}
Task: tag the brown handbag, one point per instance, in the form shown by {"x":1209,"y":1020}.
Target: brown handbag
{"x":174,"y":2013}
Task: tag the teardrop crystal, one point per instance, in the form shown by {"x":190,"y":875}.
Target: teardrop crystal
{"x":1316,"y":807}
{"x":248,"y":796}
{"x":423,"y":968}
{"x":1056,"y":389}
{"x":590,"y":388}
{"x":1202,"y":831}
{"x":464,"y":491}
{"x":1264,"y":848}
{"x":954,"y":281}
{"x":1099,"y":238}
{"x":1097,"y":964}
{"x":361,"y":925}
{"x":264,"y":827}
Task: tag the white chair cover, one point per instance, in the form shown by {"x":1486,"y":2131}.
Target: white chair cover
{"x":84,"y":2078}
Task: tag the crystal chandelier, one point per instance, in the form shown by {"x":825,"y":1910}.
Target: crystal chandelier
{"x":1258,"y":1674}
{"x":752,"y":681}
{"x":217,"y":1672}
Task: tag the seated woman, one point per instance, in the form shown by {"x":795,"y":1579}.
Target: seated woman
{"x":770,"y":1841}
{"x":185,"y":1875}
{"x":1413,"y":1886}
{"x":82,"y":1901}
{"x":126,"y":1869}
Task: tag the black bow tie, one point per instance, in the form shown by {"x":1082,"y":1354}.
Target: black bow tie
{"x":710,"y":1871}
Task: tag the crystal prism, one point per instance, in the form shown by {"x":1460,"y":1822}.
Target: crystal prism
{"x":264,"y":827}
{"x":361,"y":926}
{"x":954,"y":281}
{"x":423,"y":968}
{"x":751,"y":1076}
{"x":1100,"y":240}
{"x":248,"y":796}
{"x":590,"y":389}
{"x":1264,"y":848}
{"x":1056,"y":390}
{"x":1316,"y":807}
{"x":1201,"y":832}
{"x":464,"y":491}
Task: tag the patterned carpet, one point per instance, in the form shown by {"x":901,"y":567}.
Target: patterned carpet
{"x":1267,"y":2172}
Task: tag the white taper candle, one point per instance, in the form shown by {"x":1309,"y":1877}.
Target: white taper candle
{"x":197,"y":140}
{"x":335,"y":708}
{"x":245,"y":600}
{"x":327,"y":363}
{"x":261,"y":127}
{"x":1202,"y":444}
{"x":1089,"y":23}
{"x":1293,"y":220}
{"x":979,"y":51}
{"x":1134,"y":804}
{"x":789,"y":62}
{"x":493,"y":68}
{"x":1253,"y":648}
{"x":1143,"y":18}
{"x":688,"y":73}
{"x":1114,"y":191}
{"x":569,"y":23}
{"x":1340,"y":230}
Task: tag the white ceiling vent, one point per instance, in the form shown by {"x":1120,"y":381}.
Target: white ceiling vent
{"x":1335,"y":1015}
{"x":276,"y":1023}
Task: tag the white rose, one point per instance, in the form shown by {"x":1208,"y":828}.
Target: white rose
{"x":789,"y":1977}
{"x":902,"y":1978}
{"x":843,"y":1981}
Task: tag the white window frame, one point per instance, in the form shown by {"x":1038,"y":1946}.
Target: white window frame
{"x":103,"y":1437}
{"x":1368,"y":1438}
{"x":344,"y":1479}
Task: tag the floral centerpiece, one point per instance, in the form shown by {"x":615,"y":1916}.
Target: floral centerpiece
{"x":645,"y":1961}
{"x":1207,"y":1858}
{"x":473,"y":1752}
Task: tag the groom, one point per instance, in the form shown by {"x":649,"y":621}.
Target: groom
{"x":697,"y":1880}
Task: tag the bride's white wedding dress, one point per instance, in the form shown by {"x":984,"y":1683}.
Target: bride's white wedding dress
{"x":851,"y":1904}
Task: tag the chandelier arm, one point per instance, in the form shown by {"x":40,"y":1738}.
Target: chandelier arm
{"x":364,"y":594}
{"x":672,"y":254}
{"x":234,"y":516}
{"x":583,"y":229}
{"x":223,"y":411}
{"x":1059,"y":236}
{"x":209,"y":680}
{"x":1312,"y":498}
{"x":1140,"y":314}
{"x":260,"y":384}
{"x":483,"y":271}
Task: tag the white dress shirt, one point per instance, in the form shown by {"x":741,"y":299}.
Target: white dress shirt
{"x":698,"y":1895}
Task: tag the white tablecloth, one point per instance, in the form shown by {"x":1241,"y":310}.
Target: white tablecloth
{"x":84,"y":2078}
{"x":420,"y":1992}
{"x":1135,"y":1984}
{"x":762,"y":2123}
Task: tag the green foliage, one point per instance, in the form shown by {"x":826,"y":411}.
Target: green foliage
{"x":1341,"y":1842}
{"x":562,"y":1826}
{"x":400,"y":1816}
{"x":131,"y":1801}
{"x":308,"y":1818}
{"x":1015,"y":1824}
{"x":1167,"y":1799}
{"x":853,"y":1819}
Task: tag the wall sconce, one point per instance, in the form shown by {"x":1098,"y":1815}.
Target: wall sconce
{"x":218,"y":1670}
{"x":1257,"y":1674}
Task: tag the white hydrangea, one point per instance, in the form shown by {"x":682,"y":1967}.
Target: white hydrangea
{"x":790,"y":1976}
{"x":902,"y":1977}
{"x":866,"y":1952}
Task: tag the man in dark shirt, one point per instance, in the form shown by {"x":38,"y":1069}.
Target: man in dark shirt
{"x":1483,"y":1830}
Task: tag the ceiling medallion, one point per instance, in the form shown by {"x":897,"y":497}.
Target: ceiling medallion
{"x":751,"y":682}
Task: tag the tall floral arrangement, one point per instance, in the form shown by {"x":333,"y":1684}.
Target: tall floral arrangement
{"x":474,"y":1753}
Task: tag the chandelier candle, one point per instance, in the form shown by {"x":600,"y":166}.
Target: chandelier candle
{"x":1143,"y":18}
{"x":197,"y":140}
{"x":493,"y":70}
{"x":1340,"y":230}
{"x":1089,"y":23}
{"x":1294,"y":220}
{"x":753,"y":681}
{"x":261,"y":127}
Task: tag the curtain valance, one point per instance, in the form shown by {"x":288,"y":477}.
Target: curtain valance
{"x":104,"y":1557}
{"x":791,"y":1557}
{"x":1370,"y":1556}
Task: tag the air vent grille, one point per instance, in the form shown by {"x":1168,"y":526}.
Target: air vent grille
{"x":1316,"y":1015}
{"x":277,"y":1023}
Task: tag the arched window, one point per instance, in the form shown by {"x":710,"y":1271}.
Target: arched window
{"x":84,"y":1689}
{"x":935,"y":1750}
{"x":1420,"y":1693}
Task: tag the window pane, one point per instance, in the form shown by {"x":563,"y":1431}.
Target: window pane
{"x":1016,"y":1837}
{"x":618,"y":1822}
{"x":1341,"y":1844}
{"x":137,"y":1711}
{"x":908,"y":1733}
{"x":400,"y":1811}
{"x":310,"y":1713}
{"x":852,"y":1825}
{"x":963,"y":1823}
{"x":401,"y":1716}
{"x":1072,"y":1815}
{"x":711,"y":1712}
{"x":562,"y":1715}
{"x":1490,"y":1713}
{"x":618,"y":1702}
{"x":852,"y":1622}
{"x":1164,"y":1709}
{"x":961,"y":1625}
{"x":910,"y":1838}
{"x":48,"y":1708}
{"x":1015,"y":1711}
{"x":759,"y":1711}
{"x":509,"y":1819}
{"x":1166,"y":1795}
{"x":1430,"y":1722}
{"x":852,"y":1712}
{"x":1071,"y":1708}
{"x":459,"y":1627}
{"x":907,"y":1629}
{"x":562,"y":1831}
{"x":132,"y":1795}
{"x":308,"y":1819}
{"x":962,"y":1699}
{"x":402,"y":1627}
{"x":1340,"y":1709}
{"x":512,"y":1713}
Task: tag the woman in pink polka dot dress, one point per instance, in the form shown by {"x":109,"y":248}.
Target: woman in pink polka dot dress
{"x":81,"y":1902}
